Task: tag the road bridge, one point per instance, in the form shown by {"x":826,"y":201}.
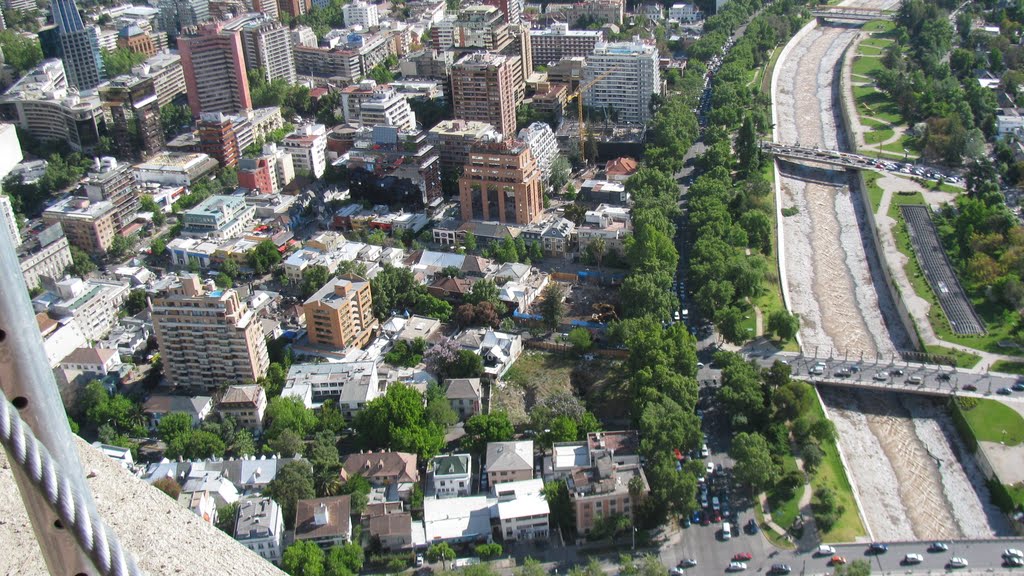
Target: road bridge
{"x":851,"y":14}
{"x":823,"y":156}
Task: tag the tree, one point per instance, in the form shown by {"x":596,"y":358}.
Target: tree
{"x":121,"y":61}
{"x":226,"y":518}
{"x":482,"y":429}
{"x":168,"y":486}
{"x":754,"y":465}
{"x":396,"y":421}
{"x":314,"y":278}
{"x":231,"y":268}
{"x":294,"y":482}
{"x":397,"y":290}
{"x":136,"y":302}
{"x":552,"y":307}
{"x":20,"y":53}
{"x":345,"y":557}
{"x":147,"y":204}
{"x":174,"y":425}
{"x":440,"y":552}
{"x":439,"y":409}
{"x":81,"y":264}
{"x":580,"y":339}
{"x":289,"y":414}
{"x":244,"y":444}
{"x":263,"y":257}
{"x":854,"y":568}
{"x":596,"y":251}
{"x":488,"y":551}
{"x":303,"y":558}
{"x":175,"y":118}
{"x":286,"y":443}
{"x":195,"y":445}
{"x":783,"y":324}
{"x":560,"y":173}
{"x":469,"y":242}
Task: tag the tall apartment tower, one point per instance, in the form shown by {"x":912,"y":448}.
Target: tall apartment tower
{"x":633,"y":77}
{"x":511,"y":9}
{"x":115,"y":183}
{"x":176,"y":15}
{"x":483,"y":90}
{"x":294,"y":7}
{"x":267,"y":44}
{"x":134,"y":107}
{"x":214,"y":67}
{"x":207,"y":336}
{"x":340,"y":314}
{"x":501,"y":181}
{"x":217,"y":138}
{"x":76,"y":44}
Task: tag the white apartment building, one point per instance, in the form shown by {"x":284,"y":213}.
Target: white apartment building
{"x":260,"y":526}
{"x":387,"y":108}
{"x":452,"y":475}
{"x":351,"y":385}
{"x":522,"y":510}
{"x":304,"y":36}
{"x":8,"y":221}
{"x":558,"y":41}
{"x":10,"y":150}
{"x":92,"y":304}
{"x":266,"y":44}
{"x":46,"y":254}
{"x":308,"y":147}
{"x":360,"y":13}
{"x":541,"y":140}
{"x":684,"y":13}
{"x":633,"y":77}
{"x":218,"y":217}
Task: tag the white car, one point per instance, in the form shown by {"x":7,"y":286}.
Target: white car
{"x":825,"y":550}
{"x":881,"y":376}
{"x":710,"y":468}
{"x":957,"y":562}
{"x":1012,"y":553}
{"x":676,"y":571}
{"x":736,"y":567}
{"x":704,"y":452}
{"x":913,"y":559}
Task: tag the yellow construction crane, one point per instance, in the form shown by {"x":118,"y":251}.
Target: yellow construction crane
{"x":578,"y":95}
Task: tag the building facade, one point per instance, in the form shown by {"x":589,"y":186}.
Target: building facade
{"x":133,"y":106}
{"x":214,"y":67}
{"x":483,"y":90}
{"x":218,"y":217}
{"x":260,"y":527}
{"x":74,"y":43}
{"x":501,"y":182}
{"x":361,"y":13}
{"x":246,"y":404}
{"x":629,"y":77}
{"x":88,"y":225}
{"x":340,"y":314}
{"x":208,"y":336}
{"x":115,"y":183}
{"x":44,"y":255}
{"x":452,"y":475}
{"x":558,"y":41}
{"x":308,"y":147}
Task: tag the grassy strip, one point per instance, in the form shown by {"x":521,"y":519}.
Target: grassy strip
{"x":875,"y":191}
{"x":1008,"y":367}
{"x":963,"y":359}
{"x":831,"y":473}
{"x":993,"y":421}
{"x":867,"y":65}
{"x":785,"y":507}
{"x":880,"y":26}
{"x":769,"y":70}
{"x":776,"y":540}
{"x":770,"y":298}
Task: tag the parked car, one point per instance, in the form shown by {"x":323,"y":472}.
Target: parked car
{"x":943,"y":376}
{"x":710,"y":468}
{"x":1018,"y":387}
{"x":913,"y":559}
{"x":676,"y":571}
{"x":736,"y":567}
{"x":881,"y":376}
{"x":1012,"y":553}
{"x":838,"y":560}
{"x":878,"y":548}
{"x":1014,"y":562}
{"x":780,"y":569}
{"x":419,"y":560}
{"x":825,"y":550}
{"x":938,"y":547}
{"x":970,"y":387}
{"x":752,"y":526}
{"x":742,"y":557}
{"x":688,"y":563}
{"x":1004,"y":391}
{"x":897,"y":372}
{"x":957,"y":562}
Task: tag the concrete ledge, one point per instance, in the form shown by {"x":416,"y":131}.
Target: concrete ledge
{"x":165,"y":537}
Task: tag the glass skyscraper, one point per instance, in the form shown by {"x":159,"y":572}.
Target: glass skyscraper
{"x":75,"y":44}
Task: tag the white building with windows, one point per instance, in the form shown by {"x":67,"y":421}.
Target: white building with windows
{"x":452,"y":475}
{"x":386,"y":107}
{"x":360,"y":13}
{"x":684,"y":13}
{"x":308,"y":147}
{"x":260,"y":526}
{"x":522,"y":510}
{"x":541,"y":140}
{"x":632,"y":79}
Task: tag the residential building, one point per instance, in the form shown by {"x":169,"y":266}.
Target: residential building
{"x":390,"y":167}
{"x":509,"y":461}
{"x":453,"y":140}
{"x":612,"y":223}
{"x":351,"y":385}
{"x":168,"y":77}
{"x":92,"y":305}
{"x":217,"y":138}
{"x":8,"y":220}
{"x":390,"y":524}
{"x":136,"y":130}
{"x":541,"y":140}
{"x":558,"y":41}
{"x":684,"y":13}
{"x":387,"y":107}
{"x":428,"y":63}
{"x":119,"y":454}
{"x":395,"y":472}
{"x":74,"y":43}
{"x":246,"y":404}
{"x":360,"y":13}
{"x":1009,"y":122}
{"x":550,"y":99}
{"x":511,"y":9}
{"x":499,"y":350}
{"x":501,"y":182}
{"x":464,"y":395}
{"x":294,"y":8}
{"x":324,"y":521}
{"x":95,"y":362}
{"x":208,"y":336}
{"x":483,"y":90}
{"x":220,"y":488}
{"x":609,"y":481}
{"x":133,"y":37}
{"x":218,"y":217}
{"x":303,"y":36}
{"x":214,"y":67}
{"x":451,"y":475}
{"x":44,"y":255}
{"x":345,"y":61}
{"x":178,"y":15}
{"x":42,"y":104}
{"x":626,"y":76}
{"x":340,"y":314}
{"x":88,"y":225}
{"x":259,"y":526}
{"x":568,"y":72}
{"x":114,"y":183}
{"x":620,"y":169}
{"x":266,"y":44}
{"x":308,"y":147}
{"x":269,"y":173}
{"x":605,"y":192}
{"x":607,"y":11}
{"x":159,"y":405}
{"x":465,"y":520}
{"x":175,"y":168}
{"x":522,"y":510}
{"x":10,"y":149}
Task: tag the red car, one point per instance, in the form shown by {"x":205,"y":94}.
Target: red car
{"x":718,"y":517}
{"x":742,"y":557}
{"x":838,"y":560}
{"x":704,"y":519}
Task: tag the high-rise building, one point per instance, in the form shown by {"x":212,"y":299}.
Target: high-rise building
{"x":482,"y":90}
{"x":387,"y":108}
{"x":214,"y":68}
{"x":114,"y":183}
{"x":134,"y":38}
{"x":632,"y":78}
{"x":269,"y":172}
{"x":133,"y":106}
{"x":361,"y":13}
{"x":76,"y":44}
{"x":217,"y":138}
{"x":268,"y":7}
{"x":386,"y":166}
{"x":45,"y":254}
{"x":88,"y":225}
{"x":541,"y":140}
{"x":453,"y":139}
{"x":176,"y":15}
{"x":208,"y":336}
{"x":558,"y":41}
{"x":308,"y":147}
{"x":340,"y":314}
{"x":511,"y":9}
{"x":295,"y":8}
{"x":167,"y":75}
{"x":267,"y":45}
{"x":10,"y":150}
{"x":501,"y":182}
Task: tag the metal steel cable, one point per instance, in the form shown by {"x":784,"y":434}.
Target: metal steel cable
{"x":93,"y":535}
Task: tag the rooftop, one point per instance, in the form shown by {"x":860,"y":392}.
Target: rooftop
{"x":450,"y":465}
{"x":258,"y":517}
{"x":509,"y":456}
{"x":323,"y":518}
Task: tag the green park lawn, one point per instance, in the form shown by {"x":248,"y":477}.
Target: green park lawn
{"x":990,"y":418}
{"x":1008,"y":367}
{"x":831,"y":473}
